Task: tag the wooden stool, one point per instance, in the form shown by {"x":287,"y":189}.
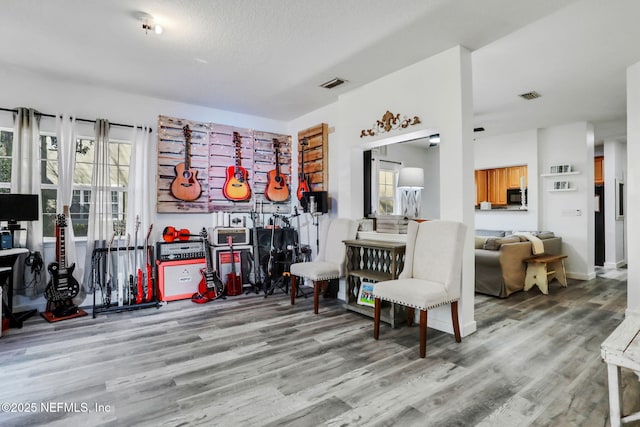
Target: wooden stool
{"x":542,"y":269}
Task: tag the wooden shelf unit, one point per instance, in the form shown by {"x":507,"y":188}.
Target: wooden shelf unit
{"x":374,"y":261}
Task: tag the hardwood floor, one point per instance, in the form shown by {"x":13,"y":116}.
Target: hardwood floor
{"x":249,"y":361}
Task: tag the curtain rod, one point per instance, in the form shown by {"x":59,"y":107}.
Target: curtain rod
{"x":13,"y":110}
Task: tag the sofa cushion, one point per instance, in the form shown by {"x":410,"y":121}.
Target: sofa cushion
{"x":480,"y":240}
{"x":494,"y":233}
{"x":494,"y":243}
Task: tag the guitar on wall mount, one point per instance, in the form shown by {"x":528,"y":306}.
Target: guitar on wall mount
{"x":185,"y":186}
{"x":210,"y":286}
{"x":303,"y":179}
{"x":236,"y":185}
{"x":277,"y":189}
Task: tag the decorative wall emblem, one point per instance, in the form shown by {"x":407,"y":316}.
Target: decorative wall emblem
{"x":389,"y":122}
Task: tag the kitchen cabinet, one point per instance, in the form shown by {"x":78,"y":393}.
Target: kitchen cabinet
{"x":481,"y":186}
{"x":598,"y":170}
{"x":513,"y":175}
{"x":497,"y":186}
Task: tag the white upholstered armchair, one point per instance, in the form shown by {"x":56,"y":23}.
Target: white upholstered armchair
{"x":330,"y":262}
{"x":432,"y":275}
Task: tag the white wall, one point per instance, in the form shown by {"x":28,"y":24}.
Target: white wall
{"x":438,"y":90}
{"x":632,"y":184}
{"x":570,"y":214}
{"x":512,"y":149}
{"x":615,"y":168}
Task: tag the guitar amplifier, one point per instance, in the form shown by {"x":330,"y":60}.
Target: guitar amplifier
{"x":179,"y":279}
{"x":187,"y":249}
{"x":239,"y":236}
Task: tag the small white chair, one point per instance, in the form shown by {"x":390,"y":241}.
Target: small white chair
{"x":432,"y":275}
{"x":330,"y":262}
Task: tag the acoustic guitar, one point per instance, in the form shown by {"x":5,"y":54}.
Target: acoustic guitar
{"x":185,"y":186}
{"x":236,"y":185}
{"x":277,"y":189}
{"x":303,"y":179}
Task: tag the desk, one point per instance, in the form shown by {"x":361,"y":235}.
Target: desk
{"x":542,"y":269}
{"x":8,"y":258}
{"x":621,"y":349}
{"x":374,"y":261}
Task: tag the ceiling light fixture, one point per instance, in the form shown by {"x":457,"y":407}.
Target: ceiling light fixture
{"x":148,"y":23}
{"x":530,"y":95}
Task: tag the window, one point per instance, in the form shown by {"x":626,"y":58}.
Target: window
{"x":6,"y":150}
{"x":387,"y":175}
{"x":119,"y":160}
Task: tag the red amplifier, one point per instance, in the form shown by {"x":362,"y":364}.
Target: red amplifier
{"x":179,"y":279}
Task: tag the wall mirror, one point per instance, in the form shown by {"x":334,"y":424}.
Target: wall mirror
{"x":382,"y":168}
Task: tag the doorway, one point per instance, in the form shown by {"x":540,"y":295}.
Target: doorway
{"x":599,"y":225}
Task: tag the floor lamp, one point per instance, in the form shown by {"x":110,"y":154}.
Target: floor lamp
{"x":411,"y":183}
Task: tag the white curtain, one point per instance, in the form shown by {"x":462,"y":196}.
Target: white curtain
{"x":25,"y":168}
{"x":66,"y":137}
{"x":100,"y":211}
{"x":141,"y":183}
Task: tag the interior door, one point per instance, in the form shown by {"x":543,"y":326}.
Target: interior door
{"x":599,"y":225}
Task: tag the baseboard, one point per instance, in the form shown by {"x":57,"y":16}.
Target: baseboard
{"x":581,"y":276}
{"x":445,"y":325}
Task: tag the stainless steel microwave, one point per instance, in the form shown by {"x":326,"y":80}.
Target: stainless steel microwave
{"x":514,"y":196}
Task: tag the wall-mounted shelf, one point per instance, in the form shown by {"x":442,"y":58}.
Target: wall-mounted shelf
{"x":553,"y":190}
{"x":560,"y":174}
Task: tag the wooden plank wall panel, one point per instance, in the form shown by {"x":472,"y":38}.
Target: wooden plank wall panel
{"x":212,"y":152}
{"x":316,"y":157}
{"x":171,"y":152}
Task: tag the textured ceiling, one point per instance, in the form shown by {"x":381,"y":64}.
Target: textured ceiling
{"x":268,"y":57}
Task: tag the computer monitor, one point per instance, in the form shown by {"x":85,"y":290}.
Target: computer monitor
{"x":18,"y":207}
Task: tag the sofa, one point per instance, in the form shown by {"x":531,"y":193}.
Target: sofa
{"x":499,"y":257}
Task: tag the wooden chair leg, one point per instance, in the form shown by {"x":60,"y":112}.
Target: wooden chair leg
{"x":454,"y":319}
{"x":376,"y":318}
{"x":423,"y":333}
{"x":294,"y":289}
{"x":411,"y":314}
{"x":316,"y":296}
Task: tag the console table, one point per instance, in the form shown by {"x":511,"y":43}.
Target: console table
{"x":374,"y":261}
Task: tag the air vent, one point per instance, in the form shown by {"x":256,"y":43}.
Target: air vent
{"x":530,"y":95}
{"x":480,"y":129}
{"x":333,"y":83}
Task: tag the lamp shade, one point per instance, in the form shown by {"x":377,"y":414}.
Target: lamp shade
{"x":411,"y":178}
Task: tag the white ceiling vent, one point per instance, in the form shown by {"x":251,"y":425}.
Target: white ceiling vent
{"x":337,"y":81}
{"x":530,"y":95}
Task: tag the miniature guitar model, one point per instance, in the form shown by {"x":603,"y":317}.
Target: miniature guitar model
{"x":169,"y":234}
{"x":236,"y":186}
{"x":277,"y":189}
{"x":62,"y":286}
{"x":185,"y":186}
{"x":234,"y":282}
{"x":107,"y":296}
{"x":148,"y":280}
{"x":303,"y":179}
{"x":139,"y":275}
{"x":210,"y":286}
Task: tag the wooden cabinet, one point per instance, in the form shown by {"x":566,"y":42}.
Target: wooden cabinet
{"x":497,"y":184}
{"x":514,"y":173}
{"x":481,"y":186}
{"x":374,"y":261}
{"x":598,"y":170}
{"x":492,"y":184}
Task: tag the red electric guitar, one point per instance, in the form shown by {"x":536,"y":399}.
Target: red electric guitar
{"x":303,"y":179}
{"x":236,"y":185}
{"x":148,"y":279}
{"x":234,"y":282}
{"x":185,"y":186}
{"x":139,"y":276}
{"x":210,"y":286}
{"x":277,"y":189}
